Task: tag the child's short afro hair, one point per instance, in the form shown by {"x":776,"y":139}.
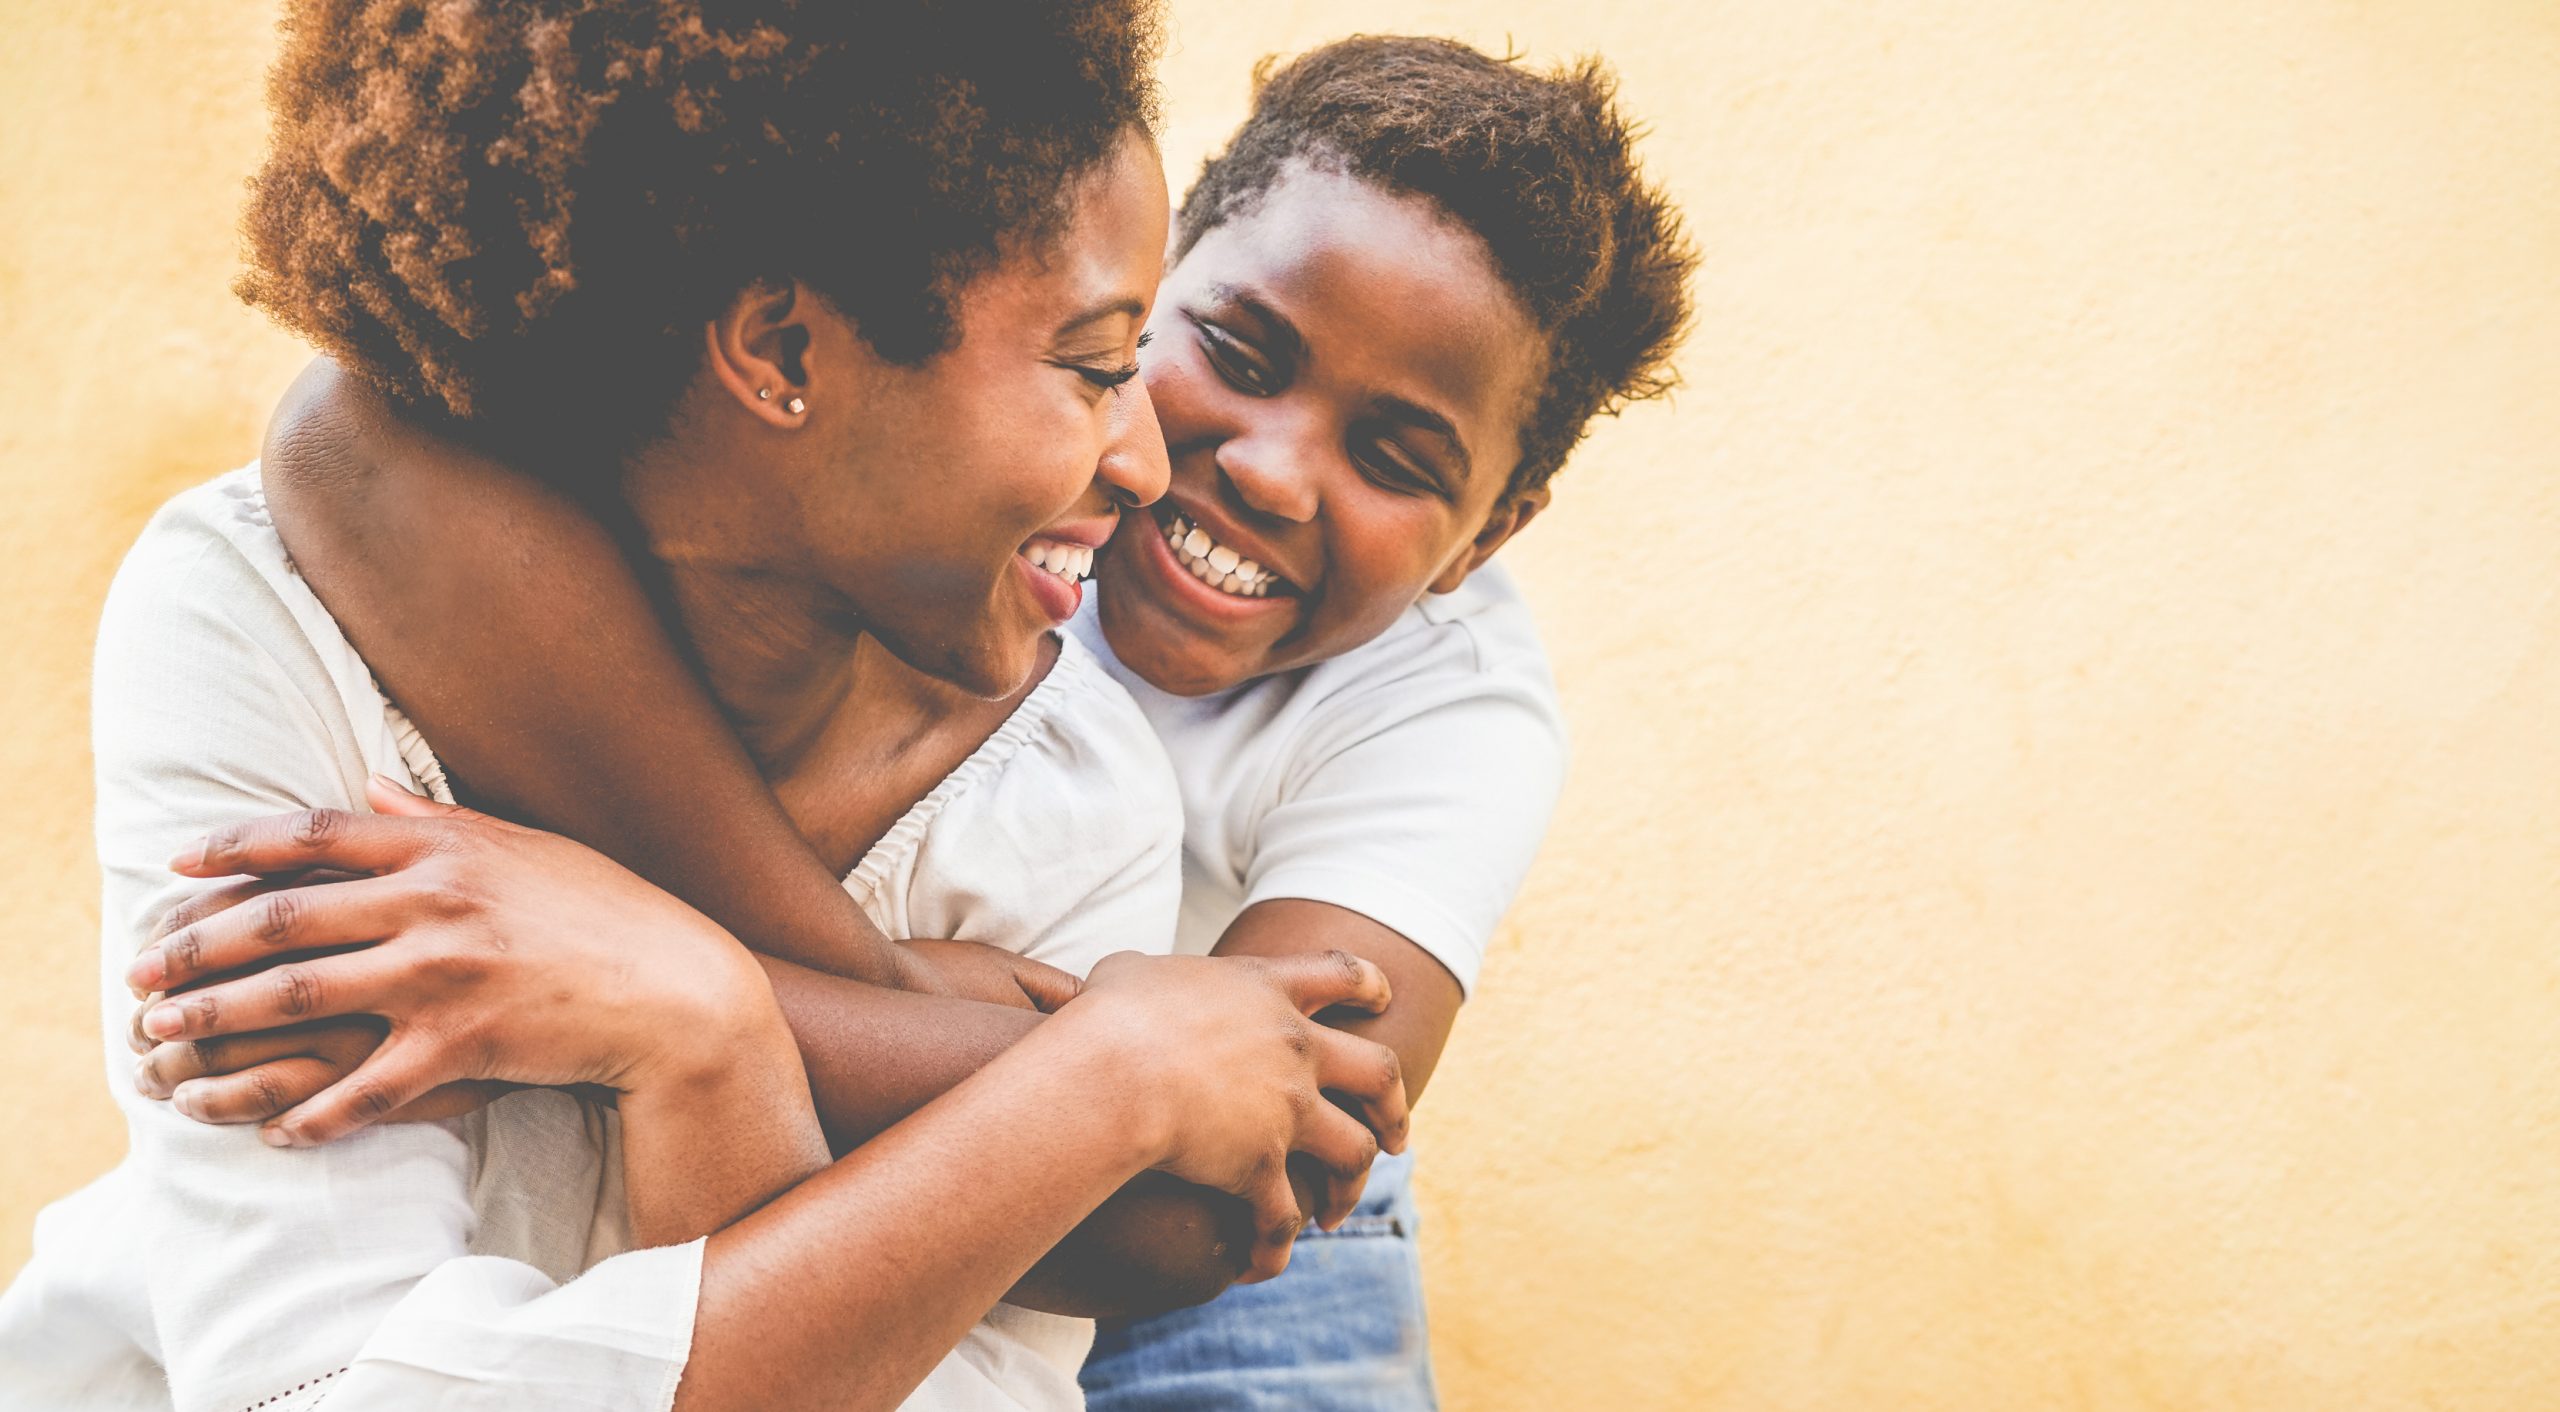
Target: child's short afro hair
{"x":512,"y":214}
{"x":1538,"y":164}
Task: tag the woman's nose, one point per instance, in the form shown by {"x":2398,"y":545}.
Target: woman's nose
{"x":1134,"y":470}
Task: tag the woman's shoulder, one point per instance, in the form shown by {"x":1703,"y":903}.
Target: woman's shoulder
{"x":204,"y":593}
{"x":1072,"y":794}
{"x":208,"y":620}
{"x":213,"y":537}
{"x":1076,"y":752}
{"x":1091,"y":728}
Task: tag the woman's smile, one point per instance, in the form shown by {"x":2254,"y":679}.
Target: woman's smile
{"x":1055,"y":563}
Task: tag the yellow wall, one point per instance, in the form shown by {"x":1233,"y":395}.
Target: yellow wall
{"x":2056,"y":907}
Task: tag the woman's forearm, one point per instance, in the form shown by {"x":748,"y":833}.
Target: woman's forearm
{"x":707,"y":1142}
{"x":874,"y":1056}
{"x":821,"y":1299}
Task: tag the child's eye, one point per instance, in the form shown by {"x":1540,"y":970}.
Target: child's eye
{"x":1236,"y":363}
{"x":1392,"y":471}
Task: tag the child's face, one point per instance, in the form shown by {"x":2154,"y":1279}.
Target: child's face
{"x":1341,"y":374}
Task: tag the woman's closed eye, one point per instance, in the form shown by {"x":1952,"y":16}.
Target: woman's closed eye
{"x":1108,"y":377}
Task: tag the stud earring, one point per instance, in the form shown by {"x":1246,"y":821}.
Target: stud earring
{"x":795,"y":406}
{"x":764,"y":394}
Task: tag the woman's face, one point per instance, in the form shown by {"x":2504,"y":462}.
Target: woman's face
{"x":949,"y":508}
{"x":1341,"y":375}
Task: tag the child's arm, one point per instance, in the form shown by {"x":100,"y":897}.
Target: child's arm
{"x":576,"y":713}
{"x":1416,"y":1027}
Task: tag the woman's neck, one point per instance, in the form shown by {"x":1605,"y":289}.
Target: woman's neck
{"x":828,"y":713}
{"x":848,"y":735}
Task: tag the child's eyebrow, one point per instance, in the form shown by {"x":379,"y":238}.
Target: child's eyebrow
{"x":1274,"y":327}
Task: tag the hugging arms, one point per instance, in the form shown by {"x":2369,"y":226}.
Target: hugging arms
{"x":566,"y":657}
{"x":798,"y":572}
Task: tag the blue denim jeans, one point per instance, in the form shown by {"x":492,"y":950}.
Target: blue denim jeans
{"x":1340,"y":1331}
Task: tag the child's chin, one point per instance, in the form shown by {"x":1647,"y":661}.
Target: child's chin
{"x":1189,"y":674}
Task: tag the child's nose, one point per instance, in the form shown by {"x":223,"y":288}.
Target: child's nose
{"x":1270,"y":476}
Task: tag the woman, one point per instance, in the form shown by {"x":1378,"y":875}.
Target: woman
{"x":695,"y":1248}
{"x":1359,"y":711}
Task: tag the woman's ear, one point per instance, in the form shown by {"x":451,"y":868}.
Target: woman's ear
{"x":757,"y":350}
{"x":1508,"y":518}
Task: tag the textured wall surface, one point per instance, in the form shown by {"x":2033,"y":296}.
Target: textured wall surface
{"x":2059,"y":904}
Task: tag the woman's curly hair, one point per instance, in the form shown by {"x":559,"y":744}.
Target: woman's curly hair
{"x":1540,"y":165}
{"x":513,"y":213}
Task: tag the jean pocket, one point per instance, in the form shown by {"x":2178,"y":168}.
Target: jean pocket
{"x":1387,"y":1224}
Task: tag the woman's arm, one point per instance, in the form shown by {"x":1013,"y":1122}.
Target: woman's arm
{"x":1208,"y":1069}
{"x":1026,"y":1146}
{"x":1159,"y":1244}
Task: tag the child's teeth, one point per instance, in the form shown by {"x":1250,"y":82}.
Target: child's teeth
{"x":1213,"y":563}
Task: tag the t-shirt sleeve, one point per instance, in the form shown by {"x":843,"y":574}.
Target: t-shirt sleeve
{"x":284,"y":1279}
{"x":1422,"y":815}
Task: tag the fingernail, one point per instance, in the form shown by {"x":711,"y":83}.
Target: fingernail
{"x":275,"y":1137}
{"x":189,"y":859}
{"x":184,"y":1099}
{"x":143,"y":976}
{"x":143,"y":1083}
{"x":162,"y":1022}
{"x":387,"y":782}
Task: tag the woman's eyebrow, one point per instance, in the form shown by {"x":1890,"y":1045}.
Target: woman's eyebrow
{"x":1423,"y":419}
{"x":1128,"y":306}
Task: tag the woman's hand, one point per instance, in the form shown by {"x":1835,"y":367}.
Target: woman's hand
{"x":1244,"y":1076}
{"x":495,"y":953}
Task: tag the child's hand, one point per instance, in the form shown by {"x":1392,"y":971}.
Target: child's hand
{"x":974,"y":970}
{"x":253,"y":1077}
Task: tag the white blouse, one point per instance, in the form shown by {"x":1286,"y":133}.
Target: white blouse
{"x":482,"y":1262}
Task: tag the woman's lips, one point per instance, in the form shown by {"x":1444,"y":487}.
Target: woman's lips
{"x":1059,"y":559}
{"x":1058,"y":596}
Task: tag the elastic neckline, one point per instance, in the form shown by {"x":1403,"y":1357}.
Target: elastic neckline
{"x":1028,"y":723}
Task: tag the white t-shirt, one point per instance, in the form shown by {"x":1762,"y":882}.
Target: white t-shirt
{"x":1409,"y":779}
{"x":482,"y":1261}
